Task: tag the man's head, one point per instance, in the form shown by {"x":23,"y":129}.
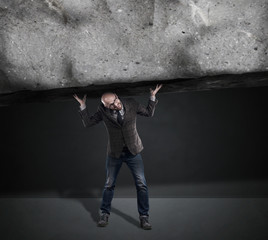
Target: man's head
{"x":111,"y":101}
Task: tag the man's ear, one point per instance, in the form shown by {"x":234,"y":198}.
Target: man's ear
{"x":116,"y":95}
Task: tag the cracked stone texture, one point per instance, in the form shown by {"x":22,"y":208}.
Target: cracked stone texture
{"x":48,"y":44}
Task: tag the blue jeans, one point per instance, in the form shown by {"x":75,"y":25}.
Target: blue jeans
{"x":135,"y":164}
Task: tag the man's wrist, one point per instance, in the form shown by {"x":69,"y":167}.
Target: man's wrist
{"x":82,"y":107}
{"x":152,"y":98}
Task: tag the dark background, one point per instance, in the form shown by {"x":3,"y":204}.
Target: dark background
{"x":208,"y":143}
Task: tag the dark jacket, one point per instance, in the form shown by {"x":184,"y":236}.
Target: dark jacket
{"x":119,"y":135}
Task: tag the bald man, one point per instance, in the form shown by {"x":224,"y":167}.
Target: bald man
{"x":124,"y":146}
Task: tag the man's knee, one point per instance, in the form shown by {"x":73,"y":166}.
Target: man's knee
{"x":109,"y":184}
{"x":141,"y":184}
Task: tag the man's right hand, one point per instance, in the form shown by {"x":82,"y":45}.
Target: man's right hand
{"x":81,"y":101}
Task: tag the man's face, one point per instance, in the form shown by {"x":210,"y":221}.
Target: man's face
{"x":112,"y":102}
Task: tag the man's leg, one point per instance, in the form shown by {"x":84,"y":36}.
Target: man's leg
{"x":135,"y":164}
{"x":113,"y":166}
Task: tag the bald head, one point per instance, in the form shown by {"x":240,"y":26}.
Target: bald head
{"x":111,"y":100}
{"x":107,"y":96}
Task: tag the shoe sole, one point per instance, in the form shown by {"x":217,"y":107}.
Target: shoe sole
{"x":102,"y":225}
{"x":146,"y":228}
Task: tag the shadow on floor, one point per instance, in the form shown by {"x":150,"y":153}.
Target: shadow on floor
{"x":126,"y":217}
{"x":93,"y":207}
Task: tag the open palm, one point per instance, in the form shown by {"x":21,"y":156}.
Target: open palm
{"x":81,"y":101}
{"x":153,"y":92}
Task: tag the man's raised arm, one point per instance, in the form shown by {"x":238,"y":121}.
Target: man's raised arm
{"x":87,"y":120}
{"x":149,"y":110}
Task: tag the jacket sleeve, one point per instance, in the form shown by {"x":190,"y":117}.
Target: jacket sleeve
{"x":92,"y":120}
{"x":147,"y":111}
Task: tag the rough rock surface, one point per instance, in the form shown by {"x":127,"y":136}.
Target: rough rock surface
{"x":48,"y":44}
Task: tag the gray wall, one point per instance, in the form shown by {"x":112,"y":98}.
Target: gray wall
{"x":210,"y":143}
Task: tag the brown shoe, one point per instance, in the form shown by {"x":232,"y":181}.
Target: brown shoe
{"x":103,"y":222}
{"x":144,"y":222}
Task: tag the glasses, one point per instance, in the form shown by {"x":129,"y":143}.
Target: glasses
{"x":111,"y":106}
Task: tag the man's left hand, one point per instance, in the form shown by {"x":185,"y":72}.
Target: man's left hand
{"x":153,"y":92}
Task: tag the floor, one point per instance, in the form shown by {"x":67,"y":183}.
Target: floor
{"x":171,"y":218}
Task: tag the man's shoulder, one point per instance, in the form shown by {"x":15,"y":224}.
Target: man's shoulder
{"x":101,"y":107}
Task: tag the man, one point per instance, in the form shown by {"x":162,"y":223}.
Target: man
{"x":124,"y":145}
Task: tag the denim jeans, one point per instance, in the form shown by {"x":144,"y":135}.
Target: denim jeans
{"x":135,"y":164}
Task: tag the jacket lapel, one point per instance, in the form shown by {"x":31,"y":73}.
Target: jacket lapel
{"x":126,"y":109}
{"x":109,"y":116}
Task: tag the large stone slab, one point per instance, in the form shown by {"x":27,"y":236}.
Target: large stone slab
{"x":124,"y":89}
{"x":51,"y":44}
